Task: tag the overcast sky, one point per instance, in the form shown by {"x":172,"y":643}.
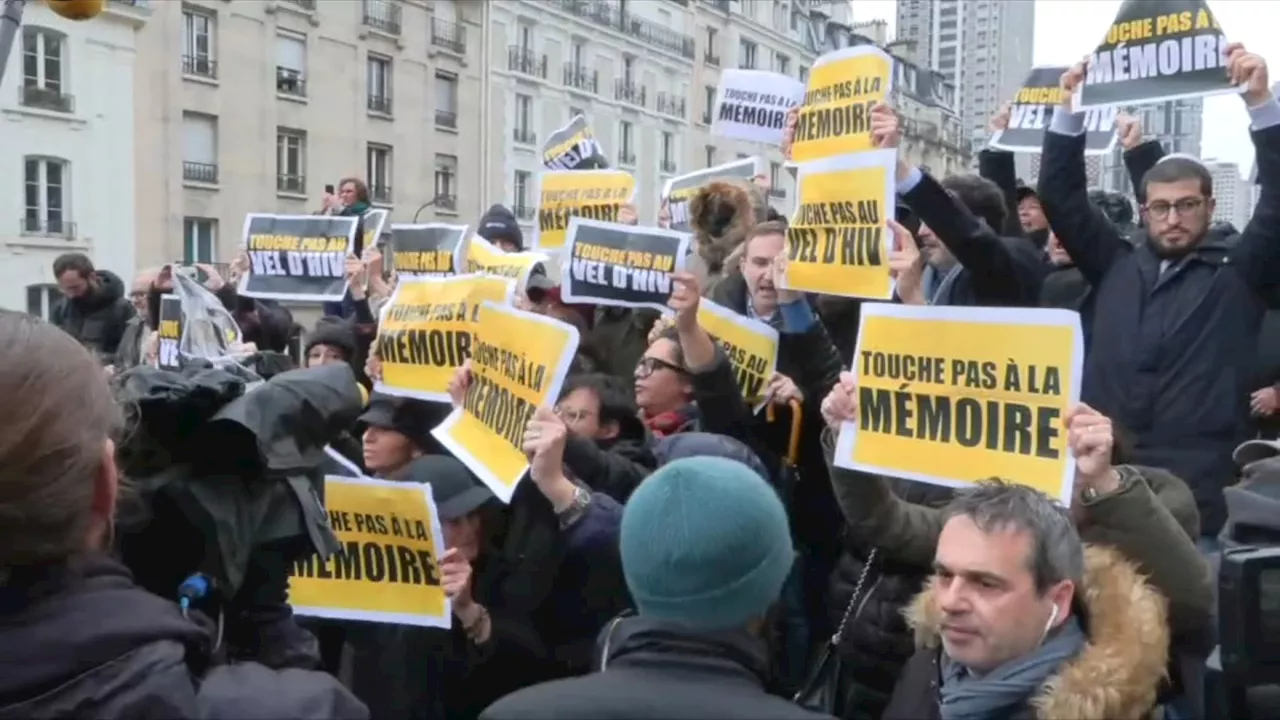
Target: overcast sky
{"x":1062,"y":27}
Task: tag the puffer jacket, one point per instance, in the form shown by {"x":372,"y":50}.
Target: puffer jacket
{"x":877,"y":643}
{"x":97,"y":319}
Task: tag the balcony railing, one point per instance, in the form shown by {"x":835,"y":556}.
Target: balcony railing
{"x":672,"y":105}
{"x":200,"y":66}
{"x":448,"y":35}
{"x":447,"y":202}
{"x":710,"y":59}
{"x":383,"y":15}
{"x":308,"y":5}
{"x":626,"y":157}
{"x":47,"y":227}
{"x":380,"y":104}
{"x":446,"y":119}
{"x":200,"y":173}
{"x":524,"y":212}
{"x":293,"y":184}
{"x":626,"y":92}
{"x":580,"y":78}
{"x":668,"y":167}
{"x":290,"y":82}
{"x":721,"y":5}
{"x":380,"y":193}
{"x":46,"y":99}
{"x":525,"y":136}
{"x":611,"y":16}
{"x":526,"y":62}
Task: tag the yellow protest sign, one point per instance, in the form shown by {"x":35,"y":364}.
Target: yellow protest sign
{"x":751,"y":346}
{"x":591,"y":194}
{"x":488,"y":259}
{"x":838,"y":241}
{"x":955,"y":395}
{"x":425,"y":331}
{"x":518,"y":363}
{"x":388,"y":569}
{"x":835,"y":117}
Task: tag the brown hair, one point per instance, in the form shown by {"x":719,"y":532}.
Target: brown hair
{"x":51,"y":451}
{"x":79,"y":262}
{"x":362,"y":190}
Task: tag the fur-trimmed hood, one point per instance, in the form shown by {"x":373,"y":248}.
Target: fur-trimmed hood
{"x":1118,"y":673}
{"x":721,"y":214}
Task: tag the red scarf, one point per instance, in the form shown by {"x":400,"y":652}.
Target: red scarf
{"x":667,"y":423}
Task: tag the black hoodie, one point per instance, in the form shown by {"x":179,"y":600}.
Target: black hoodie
{"x":97,"y":318}
{"x":87,"y":642}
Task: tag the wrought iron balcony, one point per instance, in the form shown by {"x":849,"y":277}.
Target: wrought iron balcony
{"x":290,"y":82}
{"x":205,"y":173}
{"x":45,"y":98}
{"x":629,"y":93}
{"x":448,"y":35}
{"x":580,"y":78}
{"x":526,"y":62}
{"x":669,"y":104}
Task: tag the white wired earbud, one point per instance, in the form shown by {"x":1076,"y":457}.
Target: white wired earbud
{"x":1053,"y":617}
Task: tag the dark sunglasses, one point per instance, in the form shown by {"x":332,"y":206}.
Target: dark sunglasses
{"x":648,"y":365}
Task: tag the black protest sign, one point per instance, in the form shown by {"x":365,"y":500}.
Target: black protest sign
{"x":1156,"y":50}
{"x":574,"y":147}
{"x":621,"y":265}
{"x":431,"y":250}
{"x":1033,"y":107}
{"x":679,"y":191}
{"x":169,"y":333}
{"x":297,"y":257}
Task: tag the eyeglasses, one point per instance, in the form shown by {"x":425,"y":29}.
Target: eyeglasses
{"x":1183,"y":207}
{"x":648,"y":365}
{"x":572,"y":416}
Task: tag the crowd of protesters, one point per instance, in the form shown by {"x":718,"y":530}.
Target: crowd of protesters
{"x":671,"y":554}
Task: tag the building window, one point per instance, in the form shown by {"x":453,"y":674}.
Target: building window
{"x":379,"y":80}
{"x":628,"y":70}
{"x":446,"y":100}
{"x":668,"y":152}
{"x":524,"y":118}
{"x":198,"y":57}
{"x":199,"y":148}
{"x":291,"y":64}
{"x":782,"y":64}
{"x":46,"y":181}
{"x":709,"y":92}
{"x":526,"y":39}
{"x":626,"y":153}
{"x":42,"y":58}
{"x":747,"y":52}
{"x":520,"y":191}
{"x":291,"y":160}
{"x":199,"y":240}
{"x":711,"y":156}
{"x":709,"y":55}
{"x":804,"y":73}
{"x":447,"y":182}
{"x":378,"y":170}
{"x":41,"y":299}
{"x":775,"y":180}
{"x":44,"y":70}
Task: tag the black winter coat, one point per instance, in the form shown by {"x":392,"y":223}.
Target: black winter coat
{"x":613,"y":467}
{"x":877,"y":644}
{"x":84,"y":641}
{"x":1172,"y":354}
{"x":653,"y":671}
{"x":97,"y":319}
{"x":997,"y":271}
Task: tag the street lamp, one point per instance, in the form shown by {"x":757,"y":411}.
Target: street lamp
{"x":428,"y":204}
{"x":11,"y":20}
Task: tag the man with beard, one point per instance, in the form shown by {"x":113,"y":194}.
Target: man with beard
{"x":94,"y":309}
{"x":1177,"y":311}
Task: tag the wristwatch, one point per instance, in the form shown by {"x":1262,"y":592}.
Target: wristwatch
{"x":577,"y":508}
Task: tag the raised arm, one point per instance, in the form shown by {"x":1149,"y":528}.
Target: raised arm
{"x":1257,"y":255}
{"x":1085,"y":233}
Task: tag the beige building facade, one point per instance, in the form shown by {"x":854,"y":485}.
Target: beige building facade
{"x":257,"y":106}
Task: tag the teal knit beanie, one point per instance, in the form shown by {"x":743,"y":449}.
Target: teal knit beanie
{"x":705,"y":543}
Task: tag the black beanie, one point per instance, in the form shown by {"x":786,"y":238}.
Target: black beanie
{"x":499,"y":223}
{"x":335,"y":332}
